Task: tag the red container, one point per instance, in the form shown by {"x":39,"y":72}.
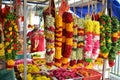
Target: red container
{"x":91,"y":74}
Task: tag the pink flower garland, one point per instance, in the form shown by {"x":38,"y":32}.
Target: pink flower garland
{"x":88,"y":40}
{"x":96,"y":40}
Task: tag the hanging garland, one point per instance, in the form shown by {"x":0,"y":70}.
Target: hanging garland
{"x":105,"y":36}
{"x":96,"y":40}
{"x":2,"y":52}
{"x":88,"y":40}
{"x":119,"y":39}
{"x":11,"y":39}
{"x":50,"y":40}
{"x":67,"y":38}
{"x":115,"y":38}
{"x":58,"y":40}
{"x":80,"y":43}
{"x":74,"y":49}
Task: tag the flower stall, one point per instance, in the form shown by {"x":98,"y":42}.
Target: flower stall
{"x":73,"y":45}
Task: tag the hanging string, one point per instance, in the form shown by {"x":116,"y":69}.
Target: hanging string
{"x":74,"y":8}
{"x":58,"y":4}
{"x":89,"y":7}
{"x":50,"y":6}
{"x":10,"y":5}
{"x":93,"y":10}
{"x":81,"y":9}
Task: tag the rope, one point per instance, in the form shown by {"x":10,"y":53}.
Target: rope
{"x":74,"y":7}
{"x":81,"y":9}
{"x":89,"y":7}
{"x":50,"y":6}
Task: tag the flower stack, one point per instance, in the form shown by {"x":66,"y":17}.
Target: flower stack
{"x":11,"y":39}
{"x":58,"y":40}
{"x":74,"y":48}
{"x":105,"y":36}
{"x":88,"y":40}
{"x":50,"y":40}
{"x":80,"y":43}
{"x":96,"y":40}
{"x":115,"y":38}
{"x":67,"y":38}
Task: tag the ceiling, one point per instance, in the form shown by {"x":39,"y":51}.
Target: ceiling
{"x":72,"y":3}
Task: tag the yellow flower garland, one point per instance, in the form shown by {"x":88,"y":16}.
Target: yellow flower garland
{"x":58,"y":52}
{"x":88,"y":25}
{"x":69,"y":27}
{"x":58,"y":20}
{"x":69,"y":41}
{"x":65,"y":60}
{"x":58,"y":43}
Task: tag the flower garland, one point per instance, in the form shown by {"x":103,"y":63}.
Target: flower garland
{"x":80,"y":44}
{"x":119,"y":39}
{"x":50,"y":40}
{"x":11,"y":39}
{"x":2,"y":52}
{"x":115,"y":38}
{"x":67,"y":38}
{"x":96,"y":40}
{"x":58,"y":40}
{"x":105,"y":36}
{"x":74,"y":49}
{"x":88,"y":40}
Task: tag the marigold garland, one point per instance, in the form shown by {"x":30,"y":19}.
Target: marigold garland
{"x":80,"y":43}
{"x":68,"y":33}
{"x":49,"y":34}
{"x":58,"y":40}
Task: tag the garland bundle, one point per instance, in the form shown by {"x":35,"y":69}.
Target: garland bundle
{"x":67,"y":38}
{"x":11,"y":39}
{"x":96,"y":40}
{"x":50,"y":40}
{"x":80,"y":43}
{"x":58,"y":40}
{"x":74,"y":49}
{"x":115,"y":38}
{"x":88,"y":40}
{"x":105,"y":36}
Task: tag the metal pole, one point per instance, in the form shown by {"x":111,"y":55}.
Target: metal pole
{"x":104,"y":69}
{"x":25,"y":42}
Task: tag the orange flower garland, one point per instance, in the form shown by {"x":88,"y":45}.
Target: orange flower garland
{"x":58,"y":40}
{"x":68,"y":33}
